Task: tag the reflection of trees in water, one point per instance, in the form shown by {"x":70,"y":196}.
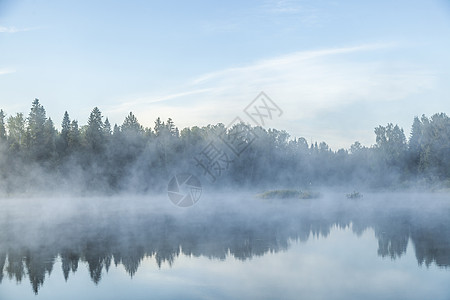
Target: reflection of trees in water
{"x":432,"y":248}
{"x":2,"y":264}
{"x":69,"y":261}
{"x":213,"y":235}
{"x":37,"y":264}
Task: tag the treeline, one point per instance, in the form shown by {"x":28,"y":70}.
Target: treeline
{"x":34,"y":155}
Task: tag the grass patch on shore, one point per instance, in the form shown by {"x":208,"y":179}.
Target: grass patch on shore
{"x":354,"y":195}
{"x":288,"y":194}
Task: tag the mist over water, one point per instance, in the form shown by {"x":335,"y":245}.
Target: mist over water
{"x":276,"y":149}
{"x":96,"y":233}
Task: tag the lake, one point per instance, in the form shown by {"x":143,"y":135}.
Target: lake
{"x":227,"y":246}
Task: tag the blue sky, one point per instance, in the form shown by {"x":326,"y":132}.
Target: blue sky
{"x":336,"y":68}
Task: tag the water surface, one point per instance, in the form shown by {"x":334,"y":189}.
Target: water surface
{"x":384,"y":246}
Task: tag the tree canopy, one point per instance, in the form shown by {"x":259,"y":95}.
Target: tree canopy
{"x":99,"y":156}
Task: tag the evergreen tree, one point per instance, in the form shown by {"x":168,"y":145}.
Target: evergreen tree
{"x":131,"y":124}
{"x":49,"y":139}
{"x":116,"y":130}
{"x":2,"y":126}
{"x":74,"y":136}
{"x":414,"y":146}
{"x":107,"y":128}
{"x":16,"y":129}
{"x":170,"y":126}
{"x":435,"y":146}
{"x":35,"y":131}
{"x":63,"y":139}
{"x":415,"y":136}
{"x":159,"y":126}
{"x":95,"y":137}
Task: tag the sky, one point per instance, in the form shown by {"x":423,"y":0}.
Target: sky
{"x":336,"y":69}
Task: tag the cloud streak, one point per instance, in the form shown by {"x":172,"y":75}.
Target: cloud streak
{"x":12,"y":29}
{"x":306,"y":15}
{"x":288,"y":60}
{"x":283,"y":6}
{"x":7,"y":71}
{"x":304,"y":84}
{"x":130,"y":104}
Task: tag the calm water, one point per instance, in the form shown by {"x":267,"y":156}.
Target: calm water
{"x":384,"y":246}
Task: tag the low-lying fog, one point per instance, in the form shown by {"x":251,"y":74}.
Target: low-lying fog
{"x":125,"y":230}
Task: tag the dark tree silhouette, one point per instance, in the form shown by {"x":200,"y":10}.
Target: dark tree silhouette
{"x":137,"y":158}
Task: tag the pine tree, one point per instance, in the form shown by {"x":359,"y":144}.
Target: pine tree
{"x":116,"y":130}
{"x":158,"y":126}
{"x":65,"y":125}
{"x":16,"y":129}
{"x":414,"y":146}
{"x":95,"y":137}
{"x":35,"y":131}
{"x":63,"y":143}
{"x":131,"y":124}
{"x":73,"y":137}
{"x":49,"y":139}
{"x":107,"y":128}
{"x":416,"y":135}
{"x":2,"y":126}
{"x":170,"y":126}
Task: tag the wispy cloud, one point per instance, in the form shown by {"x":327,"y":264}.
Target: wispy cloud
{"x":290,"y":60}
{"x":305,"y":14}
{"x":275,"y":12}
{"x":13,"y":29}
{"x":283,"y":6}
{"x":132,"y":103}
{"x":304,"y":84}
{"x":6,"y":71}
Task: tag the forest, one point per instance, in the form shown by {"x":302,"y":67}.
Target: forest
{"x":101,"y":158}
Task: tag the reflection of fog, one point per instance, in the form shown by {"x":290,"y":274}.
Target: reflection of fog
{"x":30,"y":248}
